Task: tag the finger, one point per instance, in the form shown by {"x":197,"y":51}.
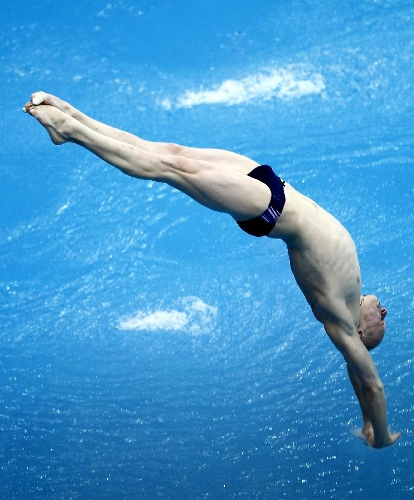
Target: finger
{"x":395,"y":436}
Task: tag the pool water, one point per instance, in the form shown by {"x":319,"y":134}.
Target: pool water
{"x":150,"y":349}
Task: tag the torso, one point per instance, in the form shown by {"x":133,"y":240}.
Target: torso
{"x":323,"y":258}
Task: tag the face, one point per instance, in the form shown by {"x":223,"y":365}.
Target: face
{"x":371,"y":321}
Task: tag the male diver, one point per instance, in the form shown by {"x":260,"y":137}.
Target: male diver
{"x":322,"y":254}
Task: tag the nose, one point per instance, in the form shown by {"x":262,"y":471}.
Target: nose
{"x":383,"y":313}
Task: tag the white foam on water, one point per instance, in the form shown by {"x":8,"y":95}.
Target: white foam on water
{"x":281,"y":83}
{"x":192,"y":316}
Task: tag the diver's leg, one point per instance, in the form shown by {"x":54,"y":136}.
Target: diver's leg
{"x":106,"y":130}
{"x":224,"y":159}
{"x":223,"y":190}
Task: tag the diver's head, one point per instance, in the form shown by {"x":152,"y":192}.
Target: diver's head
{"x":371,"y":328}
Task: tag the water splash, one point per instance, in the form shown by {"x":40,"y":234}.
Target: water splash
{"x":192,"y":316}
{"x":291,"y":83}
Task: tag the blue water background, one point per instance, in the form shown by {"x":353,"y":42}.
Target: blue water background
{"x":149,"y":348}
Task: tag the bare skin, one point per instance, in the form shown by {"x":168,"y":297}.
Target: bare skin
{"x":322,"y":254}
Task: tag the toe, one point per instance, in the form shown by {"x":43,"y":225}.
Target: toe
{"x":38,"y":98}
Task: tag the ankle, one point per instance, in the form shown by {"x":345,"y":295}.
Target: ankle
{"x":70,"y":129}
{"x":73,"y":112}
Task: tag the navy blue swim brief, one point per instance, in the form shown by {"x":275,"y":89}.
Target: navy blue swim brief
{"x":263,"y":224}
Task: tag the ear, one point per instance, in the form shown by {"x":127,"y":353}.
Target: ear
{"x":360,"y":334}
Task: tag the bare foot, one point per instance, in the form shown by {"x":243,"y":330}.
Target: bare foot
{"x":43,"y":98}
{"x":57,"y":123}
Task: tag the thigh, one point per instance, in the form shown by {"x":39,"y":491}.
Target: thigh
{"x":224,"y":159}
{"x":220,"y":189}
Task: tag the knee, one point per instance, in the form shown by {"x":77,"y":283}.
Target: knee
{"x":175,"y":167}
{"x":174,"y":149}
{"x":173,"y":162}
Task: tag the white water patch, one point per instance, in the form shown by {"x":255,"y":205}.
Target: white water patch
{"x":283,"y":83}
{"x":192,"y":316}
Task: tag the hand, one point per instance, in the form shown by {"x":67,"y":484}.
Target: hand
{"x":392,"y":438}
{"x":368,"y":431}
{"x":367,"y":435}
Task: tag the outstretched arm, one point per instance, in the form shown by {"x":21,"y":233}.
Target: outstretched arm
{"x":367,"y":385}
{"x":367,"y":430}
